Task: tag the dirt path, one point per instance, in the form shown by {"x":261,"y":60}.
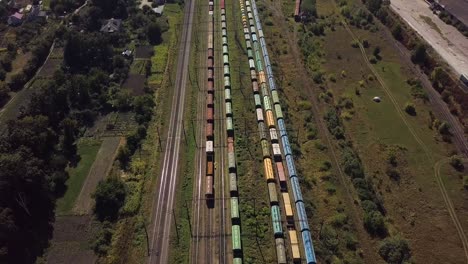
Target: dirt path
{"x":98,"y":171}
{"x":302,"y":74}
{"x":448,"y":202}
{"x":445,"y":39}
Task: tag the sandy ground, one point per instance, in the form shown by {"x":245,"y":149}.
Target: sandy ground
{"x":449,"y":43}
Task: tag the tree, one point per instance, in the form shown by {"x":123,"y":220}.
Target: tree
{"x":410,"y":109}
{"x":419,"y":54}
{"x":456,"y":162}
{"x":109,"y":197}
{"x":374,"y":223}
{"x":395,"y":250}
{"x":444,"y":128}
{"x":397,"y":32}
{"x":70,"y":131}
{"x":373,"y":5}
{"x":153,"y":32}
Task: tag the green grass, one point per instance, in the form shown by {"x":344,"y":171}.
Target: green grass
{"x":138,"y":67}
{"x":87,"y":150}
{"x":159,"y":60}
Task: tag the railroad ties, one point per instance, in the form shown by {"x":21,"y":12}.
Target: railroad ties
{"x":267,"y":127}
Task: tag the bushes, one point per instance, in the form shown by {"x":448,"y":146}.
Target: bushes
{"x":410,"y":109}
{"x":395,"y":250}
{"x":374,"y":223}
{"x":109,"y":197}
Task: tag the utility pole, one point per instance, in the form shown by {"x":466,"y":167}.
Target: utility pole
{"x":175,"y":223}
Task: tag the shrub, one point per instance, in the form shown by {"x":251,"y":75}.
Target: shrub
{"x":410,"y":109}
{"x":444,"y":128}
{"x":395,"y":250}
{"x":365,"y":43}
{"x":456,"y":162}
{"x":374,"y":223}
{"x":109,"y":197}
{"x":339,"y":220}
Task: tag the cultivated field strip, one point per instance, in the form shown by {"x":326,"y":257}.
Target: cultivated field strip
{"x":293,"y":177}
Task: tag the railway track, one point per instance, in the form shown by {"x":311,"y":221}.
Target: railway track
{"x":220,"y":202}
{"x":164,"y":201}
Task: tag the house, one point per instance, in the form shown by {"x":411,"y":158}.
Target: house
{"x":112,"y":25}
{"x":15,"y":19}
{"x":37,"y":14}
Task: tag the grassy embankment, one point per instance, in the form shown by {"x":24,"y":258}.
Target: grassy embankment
{"x":330,"y":217}
{"x":393,"y":145}
{"x":181,"y":234}
{"x":129,"y":244}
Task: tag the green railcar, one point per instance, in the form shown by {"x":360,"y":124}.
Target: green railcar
{"x":228,"y":109}
{"x":227,"y":95}
{"x":278,"y":111}
{"x":234,"y":208}
{"x":275,"y":97}
{"x":233,"y":182}
{"x":236,"y":240}
{"x":258,"y":101}
{"x":229,"y":127}
{"x":266,"y":103}
{"x":276,"y":221}
{"x":265,"y":148}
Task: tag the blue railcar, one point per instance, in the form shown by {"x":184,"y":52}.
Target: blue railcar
{"x":302,"y":216}
{"x":282,"y":128}
{"x":296,"y":188}
{"x":308,"y":248}
{"x":272,"y":83}
{"x":286,"y":146}
{"x":291,"y":166}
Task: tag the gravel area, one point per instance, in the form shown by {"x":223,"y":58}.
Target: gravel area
{"x":445,"y":39}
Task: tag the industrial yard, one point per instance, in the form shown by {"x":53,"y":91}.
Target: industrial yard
{"x":234,"y":131}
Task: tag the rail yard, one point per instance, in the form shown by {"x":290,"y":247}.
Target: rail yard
{"x":289,"y":222}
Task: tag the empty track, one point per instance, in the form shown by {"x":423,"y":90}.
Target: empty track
{"x":164,"y":198}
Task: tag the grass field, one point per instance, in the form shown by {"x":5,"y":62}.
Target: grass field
{"x":87,"y":150}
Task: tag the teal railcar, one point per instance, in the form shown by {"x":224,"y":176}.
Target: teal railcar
{"x":234,"y":208}
{"x":236,"y":240}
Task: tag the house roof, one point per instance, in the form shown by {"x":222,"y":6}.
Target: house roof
{"x":17,"y":15}
{"x":159,"y":10}
{"x":111,"y":25}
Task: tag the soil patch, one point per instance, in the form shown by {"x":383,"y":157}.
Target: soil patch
{"x":135,"y":83}
{"x":144,"y":52}
{"x":49,"y":68}
{"x":70,"y":244}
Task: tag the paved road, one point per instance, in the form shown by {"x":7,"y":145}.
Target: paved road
{"x":164,"y":199}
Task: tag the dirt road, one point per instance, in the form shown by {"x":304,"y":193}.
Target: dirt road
{"x":445,"y":39}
